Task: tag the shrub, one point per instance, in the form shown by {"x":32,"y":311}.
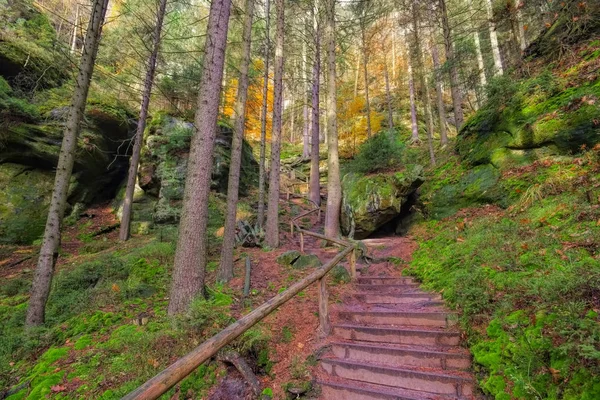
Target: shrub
{"x":379,"y":153}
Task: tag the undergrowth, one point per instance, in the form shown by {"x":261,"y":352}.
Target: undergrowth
{"x":526,"y":280}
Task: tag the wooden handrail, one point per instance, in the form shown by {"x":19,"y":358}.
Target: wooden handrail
{"x":177,"y":371}
{"x":168,"y":378}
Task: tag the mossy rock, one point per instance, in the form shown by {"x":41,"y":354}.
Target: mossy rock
{"x":307,"y":261}
{"x":24,"y":202}
{"x":371,"y":201}
{"x":288,"y":257}
{"x":481,"y":185}
{"x":31,"y":57}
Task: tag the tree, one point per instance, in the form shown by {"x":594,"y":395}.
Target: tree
{"x":315,"y":185}
{"x":263,"y":123}
{"x":494,"y":38}
{"x":453,"y":66}
{"x":334,"y":187}
{"x":272,"y":227}
{"x":190,"y":256}
{"x":226,"y":265}
{"x":305,"y":128}
{"x":365,"y":57}
{"x":141,"y":125}
{"x":44,"y":271}
{"x":439,"y":94}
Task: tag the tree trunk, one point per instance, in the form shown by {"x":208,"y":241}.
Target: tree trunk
{"x":388,"y":95}
{"x":141,"y":125}
{"x":413,"y":105}
{"x":481,"y":65}
{"x":42,"y":279}
{"x":494,"y":39}
{"x":521,"y":28}
{"x":75,"y":25}
{"x":439,"y":93}
{"x":315,"y":185}
{"x":429,"y":117}
{"x":357,"y":75}
{"x":272,"y":228}
{"x":366,"y":76}
{"x":191,"y":255}
{"x":263,"y":124}
{"x":454,"y":82}
{"x":233,"y":184}
{"x":334,"y":187}
{"x":305,"y":127}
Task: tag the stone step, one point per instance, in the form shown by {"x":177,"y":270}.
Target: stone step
{"x":342,"y":389}
{"x":397,"y":335}
{"x":400,"y":298}
{"x":405,"y":318}
{"x":431,"y":381}
{"x":395,"y":355}
{"x":384,"y":280}
{"x":390,"y":289}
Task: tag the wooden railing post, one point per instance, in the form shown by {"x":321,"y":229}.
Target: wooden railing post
{"x":353,"y":264}
{"x":324,"y":325}
{"x":301,"y":242}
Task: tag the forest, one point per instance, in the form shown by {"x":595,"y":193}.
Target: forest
{"x":300,"y":199}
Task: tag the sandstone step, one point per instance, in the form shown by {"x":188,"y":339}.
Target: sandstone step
{"x":390,"y":288}
{"x":341,"y":389}
{"x":399,"y":298}
{"x":431,"y":381}
{"x":406,"y":318}
{"x":397,"y":335}
{"x":402,"y":355}
{"x":384,"y":280}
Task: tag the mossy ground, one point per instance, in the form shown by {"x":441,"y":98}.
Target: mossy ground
{"x":525,"y":279}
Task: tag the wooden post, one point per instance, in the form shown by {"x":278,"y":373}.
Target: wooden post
{"x":301,"y":242}
{"x":288,"y":194}
{"x":292,"y":228}
{"x":353,"y":265}
{"x":324,"y":326}
{"x":247,"y":280}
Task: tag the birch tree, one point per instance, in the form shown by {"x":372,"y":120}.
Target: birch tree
{"x":191,"y":253}
{"x":44,"y":271}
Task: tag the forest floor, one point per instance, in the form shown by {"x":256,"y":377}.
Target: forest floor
{"x":107,"y":329}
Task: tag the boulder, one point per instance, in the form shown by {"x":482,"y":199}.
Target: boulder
{"x":288,"y":257}
{"x":163,"y":166}
{"x":480,"y":185}
{"x":297,"y":260}
{"x":24,"y":201}
{"x":370,"y":201}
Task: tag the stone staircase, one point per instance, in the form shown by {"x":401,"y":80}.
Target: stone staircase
{"x":392,"y":341}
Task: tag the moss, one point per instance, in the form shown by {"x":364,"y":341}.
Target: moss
{"x":371,"y":201}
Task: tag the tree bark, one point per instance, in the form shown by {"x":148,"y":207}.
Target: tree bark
{"x":366,"y":76}
{"x":334,"y":187}
{"x":44,"y":271}
{"x":75,"y":25}
{"x":315,"y":185}
{"x":305,"y":128}
{"x":494,"y":39}
{"x":439,"y":93}
{"x":454,"y":82}
{"x":141,"y":125}
{"x":233,"y":184}
{"x":263,"y":124}
{"x":388,"y":95}
{"x":413,"y":103}
{"x":191,"y":254}
{"x":480,"y":64}
{"x":272,"y":227}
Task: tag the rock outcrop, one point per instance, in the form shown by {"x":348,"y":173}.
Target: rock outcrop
{"x":371,"y":201}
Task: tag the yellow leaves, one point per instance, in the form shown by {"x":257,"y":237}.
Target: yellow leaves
{"x":115,"y":288}
{"x":253,"y":104}
{"x":154,"y":362}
